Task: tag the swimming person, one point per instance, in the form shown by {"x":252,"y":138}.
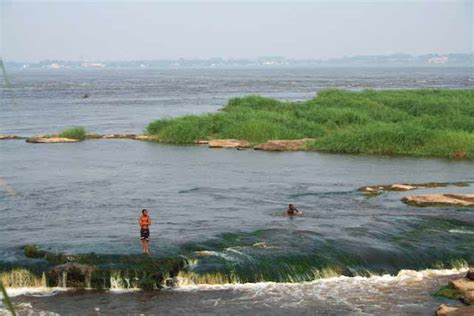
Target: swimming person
{"x":145,"y":221}
{"x":293,"y":210}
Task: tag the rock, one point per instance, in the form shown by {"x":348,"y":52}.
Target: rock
{"x":73,"y":274}
{"x":51,"y":140}
{"x":93,"y":136}
{"x":469,"y":297}
{"x":70,"y":266}
{"x":202,"y":142}
{"x":147,"y":138}
{"x":409,"y":186}
{"x":284,"y":145}
{"x":444,"y":310}
{"x":228,"y":143}
{"x":465,"y":287}
{"x":470,"y":274}
{"x":130,"y":136}
{"x":440,"y":199}
{"x":261,"y":245}
{"x":463,"y":284}
{"x":403,"y":187}
{"x":8,"y":137}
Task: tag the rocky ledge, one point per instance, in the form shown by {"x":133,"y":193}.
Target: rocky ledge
{"x":51,"y":140}
{"x":375,"y":189}
{"x":109,"y":136}
{"x":462,"y":289}
{"x":228,"y":143}
{"x":2,"y":137}
{"x":284,"y":145}
{"x":440,"y":199}
{"x":97,"y":271}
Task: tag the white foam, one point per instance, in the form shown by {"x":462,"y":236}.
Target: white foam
{"x":461,"y":231}
{"x":404,"y":276}
{"x":34,"y":291}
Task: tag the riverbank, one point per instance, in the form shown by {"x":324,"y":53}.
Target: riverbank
{"x":432,"y":123}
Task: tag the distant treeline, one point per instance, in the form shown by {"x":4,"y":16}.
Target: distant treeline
{"x":271,"y":61}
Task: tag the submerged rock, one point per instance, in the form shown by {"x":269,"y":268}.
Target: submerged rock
{"x":228,"y":143}
{"x":51,"y":140}
{"x":408,"y":186}
{"x":284,"y":145}
{"x":440,"y":199}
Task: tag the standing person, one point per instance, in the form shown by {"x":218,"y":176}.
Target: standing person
{"x":145,"y":221}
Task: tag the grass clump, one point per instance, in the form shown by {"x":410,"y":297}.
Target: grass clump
{"x":74,"y":133}
{"x":33,"y":251}
{"x":437,"y":123}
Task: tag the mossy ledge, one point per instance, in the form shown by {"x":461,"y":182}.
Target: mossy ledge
{"x":428,"y":123}
{"x":96,"y":271}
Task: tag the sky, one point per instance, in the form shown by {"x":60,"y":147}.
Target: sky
{"x":131,"y":30}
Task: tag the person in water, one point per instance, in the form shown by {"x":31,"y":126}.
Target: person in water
{"x":293,"y":210}
{"x":145,"y":221}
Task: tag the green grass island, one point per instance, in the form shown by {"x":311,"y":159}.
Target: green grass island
{"x":430,"y":123}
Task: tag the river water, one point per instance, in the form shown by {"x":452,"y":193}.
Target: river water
{"x":224,"y":209}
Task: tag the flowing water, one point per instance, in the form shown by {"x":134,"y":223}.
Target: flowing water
{"x":222,"y":210}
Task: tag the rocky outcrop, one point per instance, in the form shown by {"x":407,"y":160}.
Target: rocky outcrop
{"x":2,"y":137}
{"x":408,"y":186}
{"x":458,"y":289}
{"x":284,"y":145}
{"x":440,"y":199}
{"x":465,"y":287}
{"x":228,"y":143}
{"x":51,"y":140}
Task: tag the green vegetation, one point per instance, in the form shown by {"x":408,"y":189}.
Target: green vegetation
{"x":6,"y":300}
{"x":33,"y":251}
{"x":74,"y":133}
{"x":450,"y":292}
{"x":437,"y":123}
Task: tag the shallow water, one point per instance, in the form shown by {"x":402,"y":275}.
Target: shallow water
{"x":223,"y":209}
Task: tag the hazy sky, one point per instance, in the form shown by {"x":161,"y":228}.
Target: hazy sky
{"x":124,"y":30}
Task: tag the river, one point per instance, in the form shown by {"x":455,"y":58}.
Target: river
{"x":223,"y":209}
